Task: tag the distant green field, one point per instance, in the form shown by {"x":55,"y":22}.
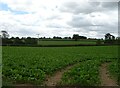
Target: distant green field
{"x":33,"y":64}
{"x":90,"y":42}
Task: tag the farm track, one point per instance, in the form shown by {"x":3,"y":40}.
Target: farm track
{"x":106,"y":79}
{"x":56,"y":78}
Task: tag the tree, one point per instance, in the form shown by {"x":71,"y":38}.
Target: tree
{"x":108,"y":36}
{"x":113,"y":37}
{"x":67,"y":38}
{"x":76,"y":37}
{"x":82,"y":37}
{"x":57,"y":37}
{"x":109,"y":39}
{"x":4,"y":34}
{"x":30,"y":41}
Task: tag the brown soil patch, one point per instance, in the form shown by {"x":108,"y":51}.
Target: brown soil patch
{"x":26,"y":85}
{"x":23,"y":86}
{"x":106,"y":80}
{"x":56,"y":78}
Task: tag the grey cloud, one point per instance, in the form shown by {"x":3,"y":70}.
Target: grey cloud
{"x":81,"y":21}
{"x":25,"y":32}
{"x":95,"y":3}
{"x":53,"y":17}
{"x":109,"y":5}
{"x":54,"y":25}
{"x":88,"y":7}
{"x":76,"y":8}
{"x":102,"y":30}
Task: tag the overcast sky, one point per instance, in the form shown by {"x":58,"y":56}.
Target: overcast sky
{"x":58,"y":18}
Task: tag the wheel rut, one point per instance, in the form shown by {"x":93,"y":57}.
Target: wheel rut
{"x":106,"y":79}
{"x":56,"y":78}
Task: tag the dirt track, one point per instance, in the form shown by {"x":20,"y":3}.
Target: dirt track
{"x":56,"y":78}
{"x":106,"y":80}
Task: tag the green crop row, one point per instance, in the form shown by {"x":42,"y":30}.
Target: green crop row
{"x":84,"y":74}
{"x":114,"y":70}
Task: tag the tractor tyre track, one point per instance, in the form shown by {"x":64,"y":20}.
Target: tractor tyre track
{"x":106,"y":79}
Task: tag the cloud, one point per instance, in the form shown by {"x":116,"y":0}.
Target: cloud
{"x":78,"y":7}
{"x":58,"y":17}
{"x":80,"y":21}
{"x":110,"y":5}
{"x":88,"y":7}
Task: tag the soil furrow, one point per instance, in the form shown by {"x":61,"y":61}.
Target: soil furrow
{"x":106,"y":79}
{"x":56,"y":78}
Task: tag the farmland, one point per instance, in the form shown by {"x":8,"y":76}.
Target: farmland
{"x":66,"y":42}
{"x":33,"y":64}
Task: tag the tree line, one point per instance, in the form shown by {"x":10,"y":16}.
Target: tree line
{"x":109,"y":39}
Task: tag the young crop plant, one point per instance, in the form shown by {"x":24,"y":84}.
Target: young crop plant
{"x":114,"y":70}
{"x":84,"y":74}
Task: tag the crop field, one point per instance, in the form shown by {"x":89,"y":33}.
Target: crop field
{"x":33,"y":64}
{"x":43,"y":42}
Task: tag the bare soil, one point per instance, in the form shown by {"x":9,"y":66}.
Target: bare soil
{"x":23,"y":86}
{"x":106,"y":79}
